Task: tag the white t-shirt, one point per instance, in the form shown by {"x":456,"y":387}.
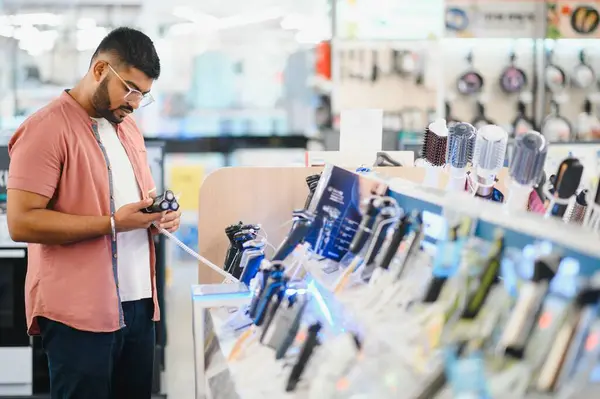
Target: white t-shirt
{"x":133,"y":247}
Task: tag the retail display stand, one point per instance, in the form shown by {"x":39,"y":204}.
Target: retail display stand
{"x":267,"y":195}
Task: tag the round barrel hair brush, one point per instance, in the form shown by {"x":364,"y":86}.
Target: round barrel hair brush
{"x":488,"y":158}
{"x":461,"y":139}
{"x":435,"y":142}
{"x":526,"y":168}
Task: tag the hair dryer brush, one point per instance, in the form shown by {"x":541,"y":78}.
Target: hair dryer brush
{"x":461,"y":139}
{"x":488,"y":159}
{"x":435,"y":142}
{"x":526,"y":168}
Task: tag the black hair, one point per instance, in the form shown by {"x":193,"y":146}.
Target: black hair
{"x":133,"y":48}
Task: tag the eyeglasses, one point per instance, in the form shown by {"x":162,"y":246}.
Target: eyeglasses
{"x":133,"y":95}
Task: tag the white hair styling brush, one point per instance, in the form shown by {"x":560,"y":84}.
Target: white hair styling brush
{"x":461,"y":142}
{"x":526,"y":166}
{"x":488,"y":158}
{"x":435,"y":142}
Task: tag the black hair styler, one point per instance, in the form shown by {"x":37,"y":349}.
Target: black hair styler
{"x":365,"y":228}
{"x":380,"y":228}
{"x":577,"y":211}
{"x":528,"y":306}
{"x":401,"y":229}
{"x":312,"y":341}
{"x":568,"y":178}
{"x":311,"y":181}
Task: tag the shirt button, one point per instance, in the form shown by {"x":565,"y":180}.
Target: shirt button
{"x":108,"y":167}
{"x":115,"y":255}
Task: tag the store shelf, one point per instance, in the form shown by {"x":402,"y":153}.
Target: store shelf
{"x":228,"y":144}
{"x":519,"y":229}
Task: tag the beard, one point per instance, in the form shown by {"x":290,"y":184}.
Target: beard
{"x":101,"y":103}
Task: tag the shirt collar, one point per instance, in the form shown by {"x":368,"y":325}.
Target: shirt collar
{"x":74,"y":106}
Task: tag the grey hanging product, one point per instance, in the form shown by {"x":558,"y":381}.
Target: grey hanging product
{"x":375,"y":72}
{"x":583,"y":75}
{"x":555,"y":127}
{"x":470,"y":82}
{"x":522,"y":123}
{"x":481,"y":118}
{"x":555,"y":77}
{"x":451,"y":120}
{"x":513,"y":79}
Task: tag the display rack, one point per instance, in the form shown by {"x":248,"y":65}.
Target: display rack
{"x":266,"y":196}
{"x":269,"y":196}
{"x":227,"y":145}
{"x":262,"y":195}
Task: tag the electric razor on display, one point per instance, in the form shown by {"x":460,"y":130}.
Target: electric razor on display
{"x":297,"y":233}
{"x":239,"y":239}
{"x":163,"y":203}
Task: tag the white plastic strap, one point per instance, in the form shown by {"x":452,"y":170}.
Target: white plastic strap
{"x":200,"y":258}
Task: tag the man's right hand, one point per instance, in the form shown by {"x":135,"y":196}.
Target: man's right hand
{"x":129,"y":217}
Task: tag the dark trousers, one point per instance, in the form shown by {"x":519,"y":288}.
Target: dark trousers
{"x":117,"y":365}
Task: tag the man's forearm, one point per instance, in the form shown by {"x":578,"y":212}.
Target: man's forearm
{"x":44,"y":226}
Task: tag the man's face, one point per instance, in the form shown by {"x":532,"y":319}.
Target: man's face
{"x":118,"y":91}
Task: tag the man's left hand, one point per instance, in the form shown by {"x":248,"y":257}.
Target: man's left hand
{"x":170,"y":221}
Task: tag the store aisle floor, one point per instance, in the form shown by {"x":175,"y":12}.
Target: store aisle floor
{"x":178,"y":379}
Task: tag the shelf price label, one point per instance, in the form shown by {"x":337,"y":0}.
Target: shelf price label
{"x":389,"y":20}
{"x":494,"y":19}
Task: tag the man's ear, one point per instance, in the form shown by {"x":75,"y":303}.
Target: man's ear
{"x":99,"y":68}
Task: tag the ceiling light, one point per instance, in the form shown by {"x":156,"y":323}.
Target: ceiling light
{"x":207,"y":21}
{"x":34,"y":41}
{"x":31,"y":19}
{"x":88,"y":39}
{"x":294,"y":22}
{"x":250,"y":18}
{"x":7,"y":31}
{"x":86,"y":23}
{"x":182,"y":29}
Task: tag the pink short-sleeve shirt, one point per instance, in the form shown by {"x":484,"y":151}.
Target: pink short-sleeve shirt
{"x":57,"y":153}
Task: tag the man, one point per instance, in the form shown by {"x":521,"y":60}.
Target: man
{"x":78,"y":180}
